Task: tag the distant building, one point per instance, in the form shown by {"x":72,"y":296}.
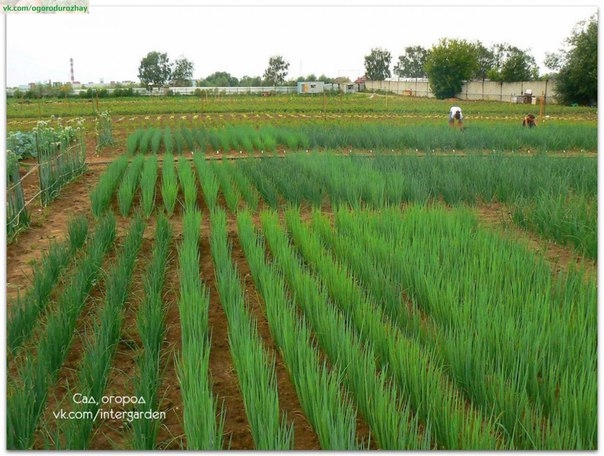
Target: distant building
{"x":311,"y":87}
{"x":360,"y":82}
{"x":349,"y":87}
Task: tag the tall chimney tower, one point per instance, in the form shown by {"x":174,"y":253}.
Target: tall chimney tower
{"x":71,"y":65}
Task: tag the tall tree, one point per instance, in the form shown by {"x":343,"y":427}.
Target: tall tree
{"x":377,"y":64}
{"x":276,"y":72}
{"x":220,"y":79}
{"x":511,"y":64}
{"x":520,"y":66}
{"x":155,"y":69}
{"x":250,"y":81}
{"x":577,"y":80}
{"x":553,"y":60}
{"x":182,"y":73}
{"x":411,"y":63}
{"x":449,"y":64}
{"x":486,"y":60}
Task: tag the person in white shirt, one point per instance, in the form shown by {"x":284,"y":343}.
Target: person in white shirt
{"x":455,"y":114}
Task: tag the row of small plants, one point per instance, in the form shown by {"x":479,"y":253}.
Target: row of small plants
{"x":470,"y":340}
{"x":178,"y":176}
{"x":95,"y":365}
{"x":399,"y":353}
{"x":360,"y":103}
{"x":151,"y":325}
{"x":456,"y":278}
{"x":29,"y":307}
{"x":378,"y":400}
{"x":254,"y":365}
{"x":37,"y":364}
{"x":326,"y":405}
{"x":425,"y":138}
{"x":203,"y":416}
{"x":27,"y":390}
{"x":28,"y":144}
{"x":499,"y":389}
{"x":554,"y":196}
{"x":485,"y":295}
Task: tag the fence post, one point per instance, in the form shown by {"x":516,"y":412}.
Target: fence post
{"x":17,"y":217}
{"x":542,"y":104}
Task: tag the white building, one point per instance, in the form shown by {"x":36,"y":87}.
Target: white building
{"x":311,"y":87}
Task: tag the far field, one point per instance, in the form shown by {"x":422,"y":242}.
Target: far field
{"x":289,"y":272}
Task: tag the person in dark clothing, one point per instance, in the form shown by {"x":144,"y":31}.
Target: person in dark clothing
{"x":529,"y":121}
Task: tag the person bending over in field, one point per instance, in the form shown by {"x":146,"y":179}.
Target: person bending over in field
{"x":455,"y":115}
{"x":529,"y":121}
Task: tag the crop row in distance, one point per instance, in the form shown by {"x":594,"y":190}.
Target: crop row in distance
{"x":472,"y":366}
{"x":367,"y":136}
{"x":124,"y":125}
{"x":361,"y":103}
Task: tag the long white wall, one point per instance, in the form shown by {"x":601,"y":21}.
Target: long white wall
{"x":473,"y":90}
{"x":513,"y":92}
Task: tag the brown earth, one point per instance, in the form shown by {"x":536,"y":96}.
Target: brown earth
{"x":50,"y":224}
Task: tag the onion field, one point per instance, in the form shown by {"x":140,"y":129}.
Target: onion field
{"x":329,"y":292}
